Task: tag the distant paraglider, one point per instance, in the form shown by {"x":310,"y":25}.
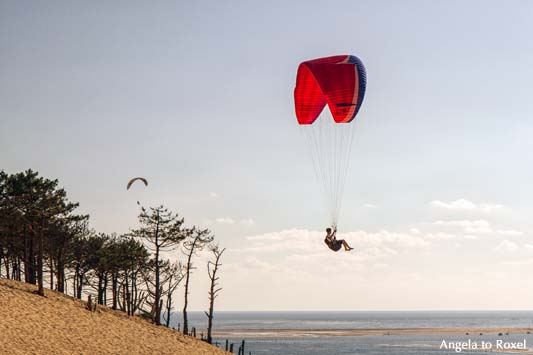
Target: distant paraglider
{"x":340,"y":83}
{"x":135,"y":179}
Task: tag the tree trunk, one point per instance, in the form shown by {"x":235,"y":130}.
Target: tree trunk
{"x":187,"y":277}
{"x":30,"y":262}
{"x":51,"y":272}
{"x":60,"y":274}
{"x":106,"y":282}
{"x":210,"y":314}
{"x":114,"y":284}
{"x":157,"y":312}
{"x":185,"y":320}
{"x":100,"y":289}
{"x":169,"y":301}
{"x":79,"y":282}
{"x":213,"y":293}
{"x":40,"y":260}
{"x":7,"y":267}
{"x":15,"y":271}
{"x":134,"y":293}
{"x":127,"y":298}
{"x":25,"y":256}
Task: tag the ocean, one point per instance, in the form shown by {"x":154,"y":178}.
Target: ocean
{"x":267,"y":338}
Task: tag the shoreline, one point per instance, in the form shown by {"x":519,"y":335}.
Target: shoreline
{"x":296,"y":333}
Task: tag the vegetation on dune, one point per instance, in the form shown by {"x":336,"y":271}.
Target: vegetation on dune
{"x":43,"y":240}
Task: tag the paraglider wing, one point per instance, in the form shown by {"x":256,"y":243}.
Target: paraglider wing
{"x":135,"y":179}
{"x":338,"y":81}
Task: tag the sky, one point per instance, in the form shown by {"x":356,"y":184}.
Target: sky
{"x":197,"y":96}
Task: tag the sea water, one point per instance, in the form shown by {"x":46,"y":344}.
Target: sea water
{"x":407,"y":344}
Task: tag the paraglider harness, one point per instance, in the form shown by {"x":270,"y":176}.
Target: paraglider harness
{"x":334,"y":244}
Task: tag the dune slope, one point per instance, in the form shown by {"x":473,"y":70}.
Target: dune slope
{"x":58,"y":324}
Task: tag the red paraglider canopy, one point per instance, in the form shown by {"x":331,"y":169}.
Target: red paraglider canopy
{"x":339,"y":81}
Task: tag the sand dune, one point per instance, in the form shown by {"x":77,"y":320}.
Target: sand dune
{"x":58,"y":324}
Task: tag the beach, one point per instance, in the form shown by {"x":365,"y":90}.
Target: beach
{"x":286,"y":333}
{"x":374,"y":332}
{"x":385,"y":341}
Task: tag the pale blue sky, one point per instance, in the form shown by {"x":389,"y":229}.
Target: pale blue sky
{"x":197,"y":97}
